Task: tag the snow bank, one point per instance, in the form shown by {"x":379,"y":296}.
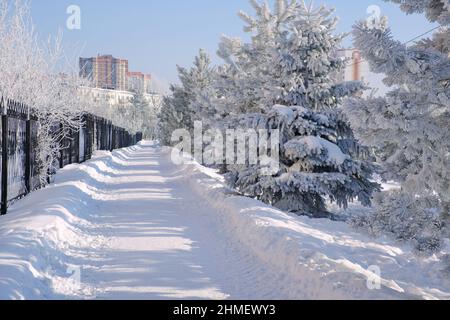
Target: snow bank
{"x":327,"y":259}
{"x":45,"y":234}
{"x":48,"y":234}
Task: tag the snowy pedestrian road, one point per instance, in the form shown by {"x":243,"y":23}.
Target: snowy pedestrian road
{"x":159,"y":242}
{"x":129,"y":228}
{"x":133,"y":225}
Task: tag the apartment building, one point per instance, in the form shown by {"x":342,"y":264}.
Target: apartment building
{"x":139,"y":82}
{"x":105,"y":72}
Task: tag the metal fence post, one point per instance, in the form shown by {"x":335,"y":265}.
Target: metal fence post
{"x":102,"y":135}
{"x":70,"y":146}
{"x":77,"y":145}
{"x":110,"y":134}
{"x":113,"y":137}
{"x":28,"y":154}
{"x":61,"y":151}
{"x":5,"y":159}
{"x":85,"y":126}
{"x":96,"y":133}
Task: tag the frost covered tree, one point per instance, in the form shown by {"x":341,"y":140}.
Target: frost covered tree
{"x":435,"y":10}
{"x":312,"y":166}
{"x":177,"y":111}
{"x":131,"y":116}
{"x":409,"y":128}
{"x":290,"y":59}
{"x":290,"y":62}
{"x":150,"y":117}
{"x":249,"y":79}
{"x":30,"y":75}
{"x":141,"y":115}
{"x":174,"y":114}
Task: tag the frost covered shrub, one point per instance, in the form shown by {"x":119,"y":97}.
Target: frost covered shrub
{"x":407,"y":218}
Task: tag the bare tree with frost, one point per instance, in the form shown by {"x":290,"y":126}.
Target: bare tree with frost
{"x":30,"y":75}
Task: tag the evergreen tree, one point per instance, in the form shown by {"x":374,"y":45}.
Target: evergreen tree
{"x":177,"y":111}
{"x":312,"y":165}
{"x":249,"y":79}
{"x":290,"y":61}
{"x":435,"y":10}
{"x":409,"y":128}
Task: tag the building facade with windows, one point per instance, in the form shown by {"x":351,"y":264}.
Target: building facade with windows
{"x":105,"y":72}
{"x":139,"y":82}
{"x":115,"y":98}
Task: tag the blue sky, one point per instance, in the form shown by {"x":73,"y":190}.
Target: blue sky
{"x":155,"y":35}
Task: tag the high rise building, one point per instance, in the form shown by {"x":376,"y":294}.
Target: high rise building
{"x":357,"y":68}
{"x":139,"y":82}
{"x":106,"y":72}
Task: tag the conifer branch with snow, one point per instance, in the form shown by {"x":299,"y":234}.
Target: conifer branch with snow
{"x":409,"y":128}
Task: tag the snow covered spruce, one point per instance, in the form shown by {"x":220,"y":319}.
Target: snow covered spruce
{"x":313,"y":166}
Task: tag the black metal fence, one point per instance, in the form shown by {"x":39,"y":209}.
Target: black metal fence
{"x":20,"y":172}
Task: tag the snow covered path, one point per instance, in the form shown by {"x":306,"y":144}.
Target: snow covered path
{"x":132,"y":225}
{"x":132,"y":229}
{"x":159,"y":245}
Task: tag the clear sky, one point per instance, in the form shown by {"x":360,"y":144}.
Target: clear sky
{"x":156,"y":35}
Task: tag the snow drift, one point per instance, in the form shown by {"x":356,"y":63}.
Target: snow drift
{"x":211,"y":243}
{"x":327,"y":259}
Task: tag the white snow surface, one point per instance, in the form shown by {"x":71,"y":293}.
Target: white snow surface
{"x":287,"y":112}
{"x":318,"y":145}
{"x":133,"y":225}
